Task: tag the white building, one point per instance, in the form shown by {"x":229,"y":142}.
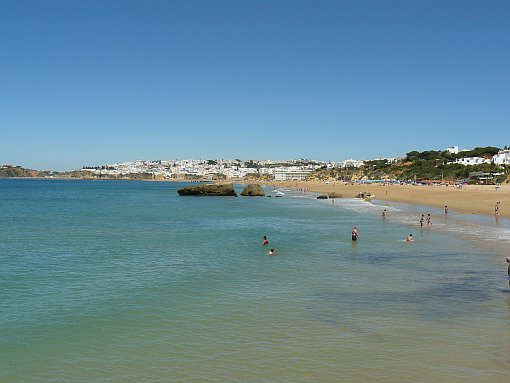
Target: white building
{"x":351,"y":163}
{"x":455,"y":150}
{"x":472,"y":161}
{"x":502,"y":158}
{"x":292,"y":173}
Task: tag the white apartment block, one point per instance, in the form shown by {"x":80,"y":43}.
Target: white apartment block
{"x":292,"y":173}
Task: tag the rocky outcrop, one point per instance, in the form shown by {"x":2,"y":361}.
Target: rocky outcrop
{"x":322,"y":196}
{"x":253,"y":190}
{"x":209,"y":190}
{"x":334,"y":195}
{"x":365,"y":195}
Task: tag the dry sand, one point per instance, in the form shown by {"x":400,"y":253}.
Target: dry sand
{"x":470,"y":199}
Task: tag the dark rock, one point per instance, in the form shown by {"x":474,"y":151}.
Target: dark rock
{"x":365,"y":195}
{"x":253,"y":190}
{"x":322,"y":196}
{"x":334,"y":195}
{"x":209,"y":190}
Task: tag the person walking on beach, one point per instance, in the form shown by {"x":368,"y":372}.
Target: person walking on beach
{"x":354,"y":233}
{"x":429,"y":221}
{"x":264,"y":241}
{"x":496,"y":208}
{"x":422,"y":220}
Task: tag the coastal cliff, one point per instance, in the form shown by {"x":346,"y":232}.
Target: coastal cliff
{"x":11,"y":171}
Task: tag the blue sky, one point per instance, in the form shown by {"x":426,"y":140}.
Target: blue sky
{"x":93,"y":82}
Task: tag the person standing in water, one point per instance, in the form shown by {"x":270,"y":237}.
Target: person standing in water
{"x":429,"y":220}
{"x":384,"y":213}
{"x":422,"y":220}
{"x":508,"y":261}
{"x":446,"y":211}
{"x":264,"y":241}
{"x":496,"y":208}
{"x":354,"y":233}
{"x":409,"y":238}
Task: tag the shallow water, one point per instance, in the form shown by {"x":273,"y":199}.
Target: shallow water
{"x":128,"y":282}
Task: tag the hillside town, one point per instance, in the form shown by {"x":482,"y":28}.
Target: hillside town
{"x":300,"y":169}
{"x":215,"y":169}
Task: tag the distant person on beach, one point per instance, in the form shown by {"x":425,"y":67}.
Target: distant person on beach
{"x":264,"y":241}
{"x":445,"y":211}
{"x":508,"y":261}
{"x":496,"y":208}
{"x":410,"y":238}
{"x":429,"y":220}
{"x":422,"y":220}
{"x":354,"y":233}
{"x":271,"y":252}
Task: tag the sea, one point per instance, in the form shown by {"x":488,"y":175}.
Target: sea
{"x":125,"y":281}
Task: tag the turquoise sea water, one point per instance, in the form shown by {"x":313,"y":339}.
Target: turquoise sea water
{"x":127,"y":282}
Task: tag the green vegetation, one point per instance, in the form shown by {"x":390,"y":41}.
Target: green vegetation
{"x":417,"y":166}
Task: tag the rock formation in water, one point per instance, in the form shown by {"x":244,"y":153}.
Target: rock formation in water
{"x":253,"y":190}
{"x":209,"y":190}
{"x":365,"y":195}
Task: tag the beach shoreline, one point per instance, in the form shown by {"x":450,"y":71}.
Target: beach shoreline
{"x":470,"y":199}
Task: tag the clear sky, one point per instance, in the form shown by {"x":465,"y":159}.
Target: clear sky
{"x":92,"y":82}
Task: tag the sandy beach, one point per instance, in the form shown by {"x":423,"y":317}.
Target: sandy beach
{"x":471,"y":199}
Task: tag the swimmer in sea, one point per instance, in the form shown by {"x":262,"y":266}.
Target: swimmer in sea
{"x":354,"y":233}
{"x":264,"y":241}
{"x":410,"y":238}
{"x":271,"y":252}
